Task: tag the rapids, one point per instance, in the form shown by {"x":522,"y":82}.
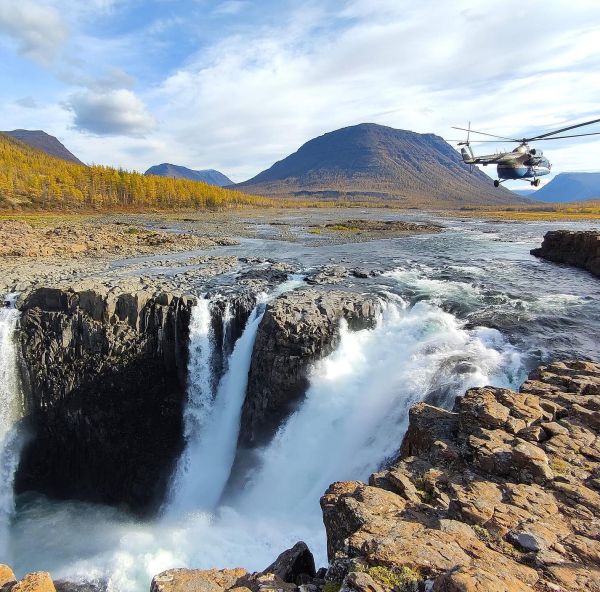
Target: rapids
{"x":464,"y":308}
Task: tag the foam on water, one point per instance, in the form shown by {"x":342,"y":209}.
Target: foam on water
{"x":199,"y":402}
{"x":352,"y":420}
{"x":10,"y":412}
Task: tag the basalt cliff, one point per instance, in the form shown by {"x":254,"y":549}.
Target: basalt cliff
{"x":578,"y":248}
{"x":501,"y":492}
{"x":104,"y":375}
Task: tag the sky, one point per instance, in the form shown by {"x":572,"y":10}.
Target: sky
{"x":236,"y":85}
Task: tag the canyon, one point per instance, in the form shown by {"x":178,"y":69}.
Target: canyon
{"x":195,"y":414}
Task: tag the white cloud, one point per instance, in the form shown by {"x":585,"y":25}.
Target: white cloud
{"x":114,"y":112}
{"x":255,"y":97}
{"x":230,"y":7}
{"x":38,"y":29}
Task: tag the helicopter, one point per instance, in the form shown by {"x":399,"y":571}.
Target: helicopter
{"x":523,"y":162}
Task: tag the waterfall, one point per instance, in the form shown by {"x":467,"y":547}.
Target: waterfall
{"x":199,"y":392}
{"x":211,"y":441}
{"x":356,"y":409}
{"x":10,"y":412}
{"x":210,"y":452}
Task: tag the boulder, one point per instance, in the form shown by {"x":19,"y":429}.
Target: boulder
{"x":6,"y":575}
{"x":39,"y":581}
{"x":294,"y":565}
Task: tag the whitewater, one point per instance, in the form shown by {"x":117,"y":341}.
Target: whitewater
{"x":458,"y":310}
{"x":10,"y":412}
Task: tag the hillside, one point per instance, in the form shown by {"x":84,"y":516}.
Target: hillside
{"x":210,"y":176}
{"x":567,"y":187}
{"x":32,"y":179}
{"x":373,"y":161}
{"x":43,"y":141}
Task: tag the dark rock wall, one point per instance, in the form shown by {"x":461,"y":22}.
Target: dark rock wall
{"x":104,"y":378}
{"x":297,"y":329}
{"x":581,"y":249}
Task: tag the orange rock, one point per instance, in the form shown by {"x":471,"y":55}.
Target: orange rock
{"x":39,"y":581}
{"x":6,"y":575}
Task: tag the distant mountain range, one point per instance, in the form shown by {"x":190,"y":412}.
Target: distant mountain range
{"x":374,"y":161}
{"x":210,"y":176}
{"x":43,"y":141}
{"x":567,"y":187}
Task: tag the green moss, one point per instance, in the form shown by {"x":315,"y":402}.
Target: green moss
{"x":133,"y":230}
{"x":332,"y":586}
{"x":315,"y":230}
{"x":400,"y":579}
{"x":342,"y":228}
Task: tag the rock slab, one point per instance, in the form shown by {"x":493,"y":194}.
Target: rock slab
{"x":577,"y":248}
{"x":502,"y":493}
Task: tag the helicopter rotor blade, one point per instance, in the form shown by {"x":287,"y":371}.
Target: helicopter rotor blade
{"x":564,"y":129}
{"x":570,"y":136}
{"x":464,"y":129}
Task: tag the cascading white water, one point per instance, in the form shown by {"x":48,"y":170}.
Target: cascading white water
{"x":356,"y":409}
{"x":352,"y":419}
{"x":10,"y":412}
{"x":212,"y":451}
{"x":199,"y":399}
{"x":206,"y":463}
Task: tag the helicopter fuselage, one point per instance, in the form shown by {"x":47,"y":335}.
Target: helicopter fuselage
{"x":521,"y":163}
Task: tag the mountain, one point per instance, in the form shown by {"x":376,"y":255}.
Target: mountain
{"x":567,"y":187}
{"x":43,"y":141}
{"x":374,"y":161}
{"x":209,"y":176}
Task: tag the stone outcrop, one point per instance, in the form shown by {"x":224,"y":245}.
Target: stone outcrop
{"x":292,"y":568}
{"x":577,"y":248}
{"x":297,"y":329}
{"x":104,"y":377}
{"x":296,"y":565}
{"x":502,"y":493}
{"x":39,"y":581}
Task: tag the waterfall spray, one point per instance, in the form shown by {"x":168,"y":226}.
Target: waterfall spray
{"x":10,"y":412}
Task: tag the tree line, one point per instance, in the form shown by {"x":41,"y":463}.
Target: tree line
{"x":33,"y":179}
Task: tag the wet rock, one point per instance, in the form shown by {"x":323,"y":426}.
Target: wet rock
{"x":330,"y":274}
{"x":496,"y":512}
{"x":104,"y":377}
{"x":577,"y":248}
{"x":294,"y":565}
{"x":297,"y":329}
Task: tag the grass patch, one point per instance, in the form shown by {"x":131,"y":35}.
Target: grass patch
{"x":483,"y":534}
{"x":342,"y":228}
{"x":559,"y":466}
{"x":133,"y":230}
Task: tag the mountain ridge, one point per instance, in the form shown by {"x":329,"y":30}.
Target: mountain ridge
{"x":42,"y":140}
{"x":371,"y":160}
{"x":570,"y":187}
{"x":210,"y":176}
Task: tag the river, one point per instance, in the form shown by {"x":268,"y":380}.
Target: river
{"x":466,"y":307}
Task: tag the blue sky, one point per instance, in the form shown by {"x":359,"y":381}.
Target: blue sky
{"x":238,"y":84}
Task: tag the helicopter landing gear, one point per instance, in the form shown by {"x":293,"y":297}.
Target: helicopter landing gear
{"x":535,"y":183}
{"x":496,"y":183}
